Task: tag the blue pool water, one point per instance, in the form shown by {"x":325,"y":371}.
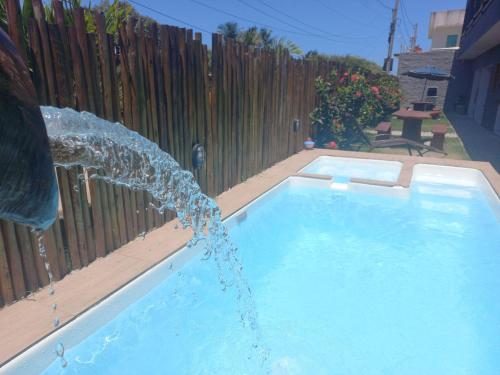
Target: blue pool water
{"x":344,"y":283}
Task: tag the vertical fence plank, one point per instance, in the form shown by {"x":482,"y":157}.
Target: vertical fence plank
{"x":6,"y":287}
{"x":14,"y":259}
{"x":28,"y":260}
{"x":69,"y":218}
{"x":15,"y":27}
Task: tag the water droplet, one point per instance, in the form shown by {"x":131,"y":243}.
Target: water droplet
{"x":60,"y":349}
{"x":64,"y":363}
{"x":54,"y":306}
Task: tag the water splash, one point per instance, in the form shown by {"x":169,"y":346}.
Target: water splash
{"x":42,"y":250}
{"x":130,"y":160}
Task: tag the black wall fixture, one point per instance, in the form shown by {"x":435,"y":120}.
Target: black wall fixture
{"x":198,"y":156}
{"x":296,"y":125}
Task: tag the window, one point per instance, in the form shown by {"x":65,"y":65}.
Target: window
{"x":432,"y":91}
{"x":451,"y":40}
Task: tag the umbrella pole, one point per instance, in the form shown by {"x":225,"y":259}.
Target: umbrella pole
{"x":423,"y":91}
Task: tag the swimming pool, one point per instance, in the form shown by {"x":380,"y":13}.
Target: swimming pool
{"x":346,"y":168}
{"x":363,"y":279}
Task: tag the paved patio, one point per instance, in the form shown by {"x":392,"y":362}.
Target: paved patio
{"x":480,"y":143}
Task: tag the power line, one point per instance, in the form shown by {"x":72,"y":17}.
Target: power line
{"x":245,"y":19}
{"x":271,"y":16}
{"x":296,"y":20}
{"x":361,"y":2}
{"x":405,"y":13}
{"x":169,"y":17}
{"x":230,"y":14}
{"x":267,"y":25}
{"x":337,"y":12}
{"x":404,"y":27}
{"x":404,"y":37}
{"x":383,"y":5}
{"x":388,"y":61}
{"x":293,"y":18}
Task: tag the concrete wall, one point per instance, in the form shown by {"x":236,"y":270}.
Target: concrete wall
{"x":440,"y":35}
{"x":459,"y":89}
{"x":412,"y":87}
{"x":475,"y":28}
{"x":445,"y":23}
{"x":490,"y":59}
{"x":480,"y":48}
{"x":464,"y":70}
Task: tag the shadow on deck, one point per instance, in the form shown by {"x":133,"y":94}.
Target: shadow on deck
{"x":480,"y":143}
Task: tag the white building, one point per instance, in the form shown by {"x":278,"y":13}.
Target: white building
{"x":445,"y":28}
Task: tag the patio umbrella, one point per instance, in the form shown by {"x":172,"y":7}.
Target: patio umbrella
{"x":430,"y":73}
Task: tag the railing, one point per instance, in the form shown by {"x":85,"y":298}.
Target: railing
{"x":472,"y":20}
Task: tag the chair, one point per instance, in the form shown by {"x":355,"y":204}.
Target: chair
{"x":393,"y":141}
{"x":384,"y":130}
{"x":436,"y":113}
{"x":438,"y":136}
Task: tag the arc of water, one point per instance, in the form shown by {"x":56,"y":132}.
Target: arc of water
{"x":130,"y":160}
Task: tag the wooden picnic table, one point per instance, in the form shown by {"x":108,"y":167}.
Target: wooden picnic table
{"x":423,"y":106}
{"x":412,"y":123}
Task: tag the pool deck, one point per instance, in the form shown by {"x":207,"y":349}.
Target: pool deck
{"x":28,"y":321}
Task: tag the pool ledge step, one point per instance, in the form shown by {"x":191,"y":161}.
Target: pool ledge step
{"x":367,"y":181}
{"x":312,"y":175}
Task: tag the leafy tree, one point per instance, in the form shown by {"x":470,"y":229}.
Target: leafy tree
{"x":266,"y":38}
{"x":258,"y":37}
{"x":312,"y":54}
{"x":229,"y":30}
{"x":115,"y":13}
{"x":250,"y":37}
{"x":349,"y":102}
{"x":282,"y":43}
{"x":351,"y":62}
{"x":3,"y":15}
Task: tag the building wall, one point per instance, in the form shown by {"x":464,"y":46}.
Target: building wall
{"x":412,"y":87}
{"x":480,"y":16}
{"x":459,"y":88}
{"x":445,"y":23}
{"x":440,"y":36}
{"x":491,"y":60}
{"x":481,"y":19}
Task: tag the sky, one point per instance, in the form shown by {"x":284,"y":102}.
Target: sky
{"x":355,"y":27}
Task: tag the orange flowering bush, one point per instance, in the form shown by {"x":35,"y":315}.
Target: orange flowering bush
{"x":349,"y":101}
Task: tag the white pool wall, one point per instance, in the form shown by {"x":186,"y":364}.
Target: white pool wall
{"x":381,"y":170}
{"x":458,"y":177}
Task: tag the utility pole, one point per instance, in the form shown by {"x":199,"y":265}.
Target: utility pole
{"x":414,"y":38}
{"x":392,"y":32}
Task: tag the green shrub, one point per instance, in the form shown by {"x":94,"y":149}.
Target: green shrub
{"x":349,"y":101}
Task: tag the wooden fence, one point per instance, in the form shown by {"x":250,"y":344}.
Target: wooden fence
{"x":158,"y":82}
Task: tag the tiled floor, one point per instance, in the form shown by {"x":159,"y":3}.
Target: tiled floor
{"x":28,"y":321}
{"x":480,"y":143}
